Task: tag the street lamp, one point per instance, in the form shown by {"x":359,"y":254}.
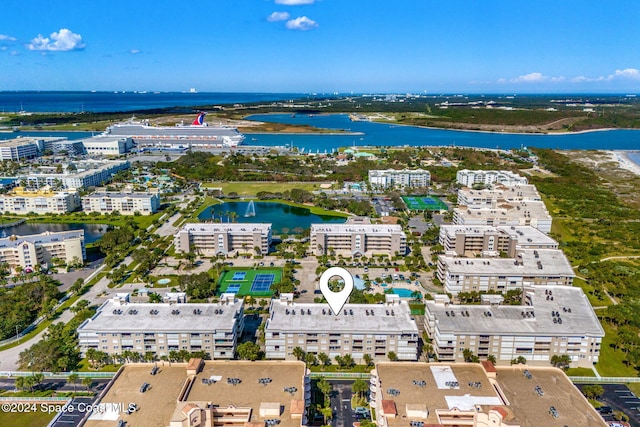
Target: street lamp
{"x":17,"y":333}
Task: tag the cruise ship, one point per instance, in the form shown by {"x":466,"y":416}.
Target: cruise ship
{"x":196,"y":136}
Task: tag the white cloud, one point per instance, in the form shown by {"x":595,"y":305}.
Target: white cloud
{"x":627,"y":73}
{"x":302,"y":23}
{"x":294,"y":2}
{"x":14,"y":53}
{"x":6,"y":38}
{"x":530,"y":78}
{"x":278,"y":16}
{"x":135,"y":51}
{"x":62,"y":41}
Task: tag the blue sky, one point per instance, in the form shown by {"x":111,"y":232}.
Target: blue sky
{"x":439,"y":46}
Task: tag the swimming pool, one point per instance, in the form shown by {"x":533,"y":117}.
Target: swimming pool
{"x":404,"y":293}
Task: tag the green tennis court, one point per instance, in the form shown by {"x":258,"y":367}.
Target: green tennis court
{"x":256,"y":282}
{"x":424,"y":203}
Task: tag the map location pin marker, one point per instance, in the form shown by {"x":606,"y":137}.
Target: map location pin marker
{"x":336,"y":300}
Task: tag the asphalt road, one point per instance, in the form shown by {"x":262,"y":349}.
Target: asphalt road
{"x":341,"y":403}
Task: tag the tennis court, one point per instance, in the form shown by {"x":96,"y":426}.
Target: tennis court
{"x":256,"y":282}
{"x":424,"y":203}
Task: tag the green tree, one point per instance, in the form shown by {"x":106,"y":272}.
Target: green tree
{"x":73,"y":379}
{"x":248,"y":351}
{"x":325,"y":388}
{"x":368,"y":360}
{"x":561,"y":361}
{"x":360,"y":386}
{"x":324,"y":359}
{"x":298,"y":353}
{"x":593,"y":391}
{"x":310,"y":359}
{"x":392,"y":356}
{"x":86,"y":381}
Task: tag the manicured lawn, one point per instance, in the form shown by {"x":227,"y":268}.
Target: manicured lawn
{"x":252,"y":188}
{"x":32,"y":419}
{"x":580,"y":372}
{"x":611,"y":362}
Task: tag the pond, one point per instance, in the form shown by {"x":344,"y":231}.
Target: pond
{"x":283,"y":218}
{"x":92,"y":232}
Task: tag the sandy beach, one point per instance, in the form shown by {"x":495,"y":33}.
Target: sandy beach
{"x":624,"y":161}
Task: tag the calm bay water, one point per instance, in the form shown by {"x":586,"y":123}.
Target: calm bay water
{"x":378,"y":134}
{"x":92,"y":232}
{"x":284,"y":218}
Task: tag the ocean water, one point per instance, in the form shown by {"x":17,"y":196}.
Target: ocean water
{"x":379,"y":134}
{"x":75,"y":102}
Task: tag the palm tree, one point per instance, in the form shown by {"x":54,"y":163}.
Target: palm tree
{"x":324,"y":359}
{"x":86,"y":381}
{"x":360,"y":387}
{"x":327,"y":413}
{"x":368,"y":360}
{"x":73,"y":379}
{"x":298,"y":352}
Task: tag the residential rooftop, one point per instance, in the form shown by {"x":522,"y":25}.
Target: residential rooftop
{"x":391,"y":317}
{"x":476,"y":392}
{"x":525,"y":235}
{"x":162,"y":402}
{"x":42,"y":238}
{"x":122,"y":316}
{"x":351,"y":227}
{"x":210,"y":227}
{"x":117,"y":195}
{"x":528,"y":263}
{"x":535,"y":318}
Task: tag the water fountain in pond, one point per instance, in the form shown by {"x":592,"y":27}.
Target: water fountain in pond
{"x":251,"y":209}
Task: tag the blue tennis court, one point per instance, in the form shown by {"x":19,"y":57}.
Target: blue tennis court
{"x":233,"y":288}
{"x":262,"y":282}
{"x":239,"y":275}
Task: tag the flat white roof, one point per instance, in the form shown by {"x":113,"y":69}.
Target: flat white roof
{"x":532,"y":209}
{"x":120,"y":196}
{"x":524,"y":234}
{"x":356,"y":228}
{"x":531,"y":262}
{"x":571,"y":304}
{"x":309,"y":318}
{"x":117,"y":317}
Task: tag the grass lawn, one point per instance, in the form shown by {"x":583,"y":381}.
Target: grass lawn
{"x":32,"y":419}
{"x":84,"y":367}
{"x":252,"y":188}
{"x":588,"y":289}
{"x":580,"y":372}
{"x":611,"y":362}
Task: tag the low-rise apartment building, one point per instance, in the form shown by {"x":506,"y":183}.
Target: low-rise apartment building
{"x":43,"y":201}
{"x":120,"y":325}
{"x":40,"y":249}
{"x":534,"y":214}
{"x":88,"y":174}
{"x":357,"y":239}
{"x":107,"y":146}
{"x":553,"y":320}
{"x":529,"y":267}
{"x":123,"y":203}
{"x":488,"y":240}
{"x":468,"y":178}
{"x":392,"y":178}
{"x":225,"y":239}
{"x":499,"y":194}
{"x":359,"y":329}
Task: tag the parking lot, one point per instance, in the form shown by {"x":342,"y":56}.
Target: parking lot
{"x":620,"y":398}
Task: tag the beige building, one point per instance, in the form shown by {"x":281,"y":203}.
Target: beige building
{"x":529,"y":267}
{"x":534,"y":214}
{"x":225,"y":239}
{"x":392,"y":178}
{"x":42,"y":201}
{"x":120,"y":325}
{"x":123,"y":203}
{"x":477,"y":395}
{"x":357,"y":237}
{"x":39,"y":249}
{"x":207,"y":393}
{"x":359,"y":329}
{"x":489,"y":241}
{"x":553,"y":320}
{"x":491,"y":198}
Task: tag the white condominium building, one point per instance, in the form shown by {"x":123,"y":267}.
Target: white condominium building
{"x":119,"y":325}
{"x":43,"y":201}
{"x":391,"y":178}
{"x":487,"y":240}
{"x":123,"y":203}
{"x":530,"y":267}
{"x":534,"y":214}
{"x":357,"y":239}
{"x":88,"y":174}
{"x":357,"y":330}
{"x":491,"y":198}
{"x":220,"y":238}
{"x":38,"y":249}
{"x":554,"y":320}
{"x":19,"y":148}
{"x":468,"y":177}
